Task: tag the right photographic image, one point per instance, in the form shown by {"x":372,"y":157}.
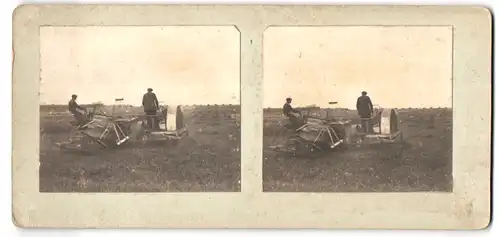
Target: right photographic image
{"x":357,"y":109}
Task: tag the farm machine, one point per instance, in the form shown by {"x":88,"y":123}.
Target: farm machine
{"x":322,"y":134}
{"x":102,"y":131}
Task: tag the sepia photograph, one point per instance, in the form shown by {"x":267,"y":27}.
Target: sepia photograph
{"x":139,"y":109}
{"x":241,"y":116}
{"x":358,"y":109}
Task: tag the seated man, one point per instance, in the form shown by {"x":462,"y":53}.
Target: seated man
{"x":73,"y":108}
{"x":292,"y":114}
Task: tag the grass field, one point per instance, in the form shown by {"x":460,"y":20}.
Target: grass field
{"x":425,"y":163}
{"x":208,"y":160}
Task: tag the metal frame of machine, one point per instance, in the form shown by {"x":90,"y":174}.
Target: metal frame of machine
{"x":322,"y":127}
{"x":384,"y":128}
{"x":110,"y":132}
{"x":163,"y":134}
{"x":314,"y":134}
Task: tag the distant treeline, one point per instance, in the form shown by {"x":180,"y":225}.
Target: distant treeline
{"x":340,"y":112}
{"x":64,"y":108}
{"x":347,"y":110}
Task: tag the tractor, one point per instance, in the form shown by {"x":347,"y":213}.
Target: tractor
{"x":102,"y":131}
{"x":323,"y":134}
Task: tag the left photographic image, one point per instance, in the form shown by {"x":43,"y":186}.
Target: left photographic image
{"x":140,"y":109}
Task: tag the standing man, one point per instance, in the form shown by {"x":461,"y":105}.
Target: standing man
{"x":151,"y":105}
{"x":179,"y":118}
{"x":73,"y":108}
{"x":365,"y":109}
{"x":291,"y":113}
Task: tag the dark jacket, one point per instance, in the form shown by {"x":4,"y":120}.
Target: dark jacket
{"x":287,"y":108}
{"x":179,"y":118}
{"x":150,"y":102}
{"x":72,"y":106}
{"x":364,"y":106}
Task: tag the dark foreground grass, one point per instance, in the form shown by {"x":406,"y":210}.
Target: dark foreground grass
{"x":423,"y":163}
{"x":207,"y":161}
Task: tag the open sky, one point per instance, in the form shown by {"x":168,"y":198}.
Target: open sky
{"x":399,"y":67}
{"x":183,"y":64}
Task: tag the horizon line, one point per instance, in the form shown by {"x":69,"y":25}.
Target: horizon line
{"x":102,"y":104}
{"x":264,"y":108}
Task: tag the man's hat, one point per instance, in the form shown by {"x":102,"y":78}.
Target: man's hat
{"x":288,"y":98}
{"x":73,"y":96}
{"x":364,"y":93}
{"x":149,"y":89}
